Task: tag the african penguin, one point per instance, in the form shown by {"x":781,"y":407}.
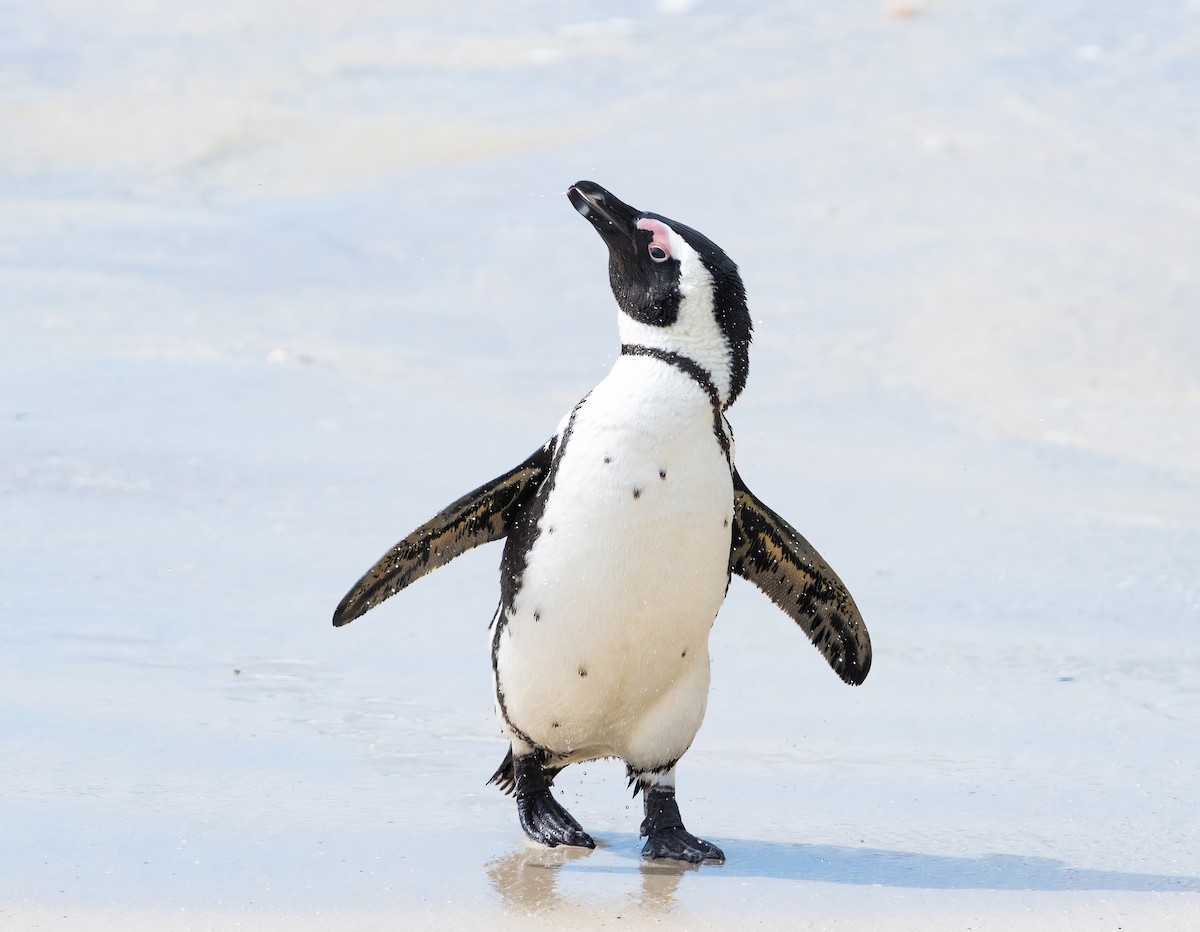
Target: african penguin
{"x":621,"y":535}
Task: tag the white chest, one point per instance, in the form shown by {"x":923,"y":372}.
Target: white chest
{"x":625,"y":578}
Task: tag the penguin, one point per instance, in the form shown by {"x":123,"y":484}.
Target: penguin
{"x":621,"y":535}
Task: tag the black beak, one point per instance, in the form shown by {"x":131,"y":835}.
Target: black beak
{"x":613,"y":219}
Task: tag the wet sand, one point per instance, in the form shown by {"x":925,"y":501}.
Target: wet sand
{"x":281,"y":281}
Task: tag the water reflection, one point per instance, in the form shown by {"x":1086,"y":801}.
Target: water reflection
{"x":527,"y":880}
{"x":531,"y":879}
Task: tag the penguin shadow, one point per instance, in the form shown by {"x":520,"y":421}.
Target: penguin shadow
{"x":529,"y":879}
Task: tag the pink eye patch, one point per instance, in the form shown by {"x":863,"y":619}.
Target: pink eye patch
{"x":660,"y":246}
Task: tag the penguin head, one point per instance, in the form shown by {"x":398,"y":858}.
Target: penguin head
{"x":676,"y":288}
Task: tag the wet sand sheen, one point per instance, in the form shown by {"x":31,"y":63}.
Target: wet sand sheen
{"x":279,"y":285}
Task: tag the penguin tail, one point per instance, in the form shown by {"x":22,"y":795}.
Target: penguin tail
{"x":505,"y":776}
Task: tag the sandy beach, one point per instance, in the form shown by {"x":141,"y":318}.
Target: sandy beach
{"x":280,"y":280}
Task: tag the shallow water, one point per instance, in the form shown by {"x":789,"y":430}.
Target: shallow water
{"x":280,"y":281}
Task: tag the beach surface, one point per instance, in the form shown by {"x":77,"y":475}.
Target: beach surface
{"x":278,"y":281}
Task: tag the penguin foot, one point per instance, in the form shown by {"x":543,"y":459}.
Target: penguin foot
{"x":545,"y":821}
{"x":541,"y":816}
{"x":679,"y":844}
{"x":664,"y":832}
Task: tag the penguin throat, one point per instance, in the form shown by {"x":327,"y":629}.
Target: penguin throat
{"x":689,"y":367}
{"x":684,"y":363}
{"x":695,"y":339}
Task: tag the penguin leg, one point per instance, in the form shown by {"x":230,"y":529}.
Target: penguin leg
{"x":663,"y":827}
{"x":541,"y":816}
{"x":505,"y":777}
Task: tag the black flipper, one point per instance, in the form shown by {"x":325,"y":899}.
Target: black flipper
{"x":770,"y":553}
{"x":479,"y":517}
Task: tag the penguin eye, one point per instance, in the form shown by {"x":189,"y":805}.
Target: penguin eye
{"x":659,"y":245}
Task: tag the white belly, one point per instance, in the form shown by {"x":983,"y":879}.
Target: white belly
{"x":605,"y":649}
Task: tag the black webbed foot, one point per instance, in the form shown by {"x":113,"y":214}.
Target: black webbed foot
{"x":541,"y":816}
{"x":679,"y":844}
{"x":665,"y":835}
